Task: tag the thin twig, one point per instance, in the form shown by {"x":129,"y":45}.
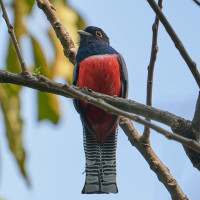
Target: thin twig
{"x":14,"y":39}
{"x":154,"y":51}
{"x":179,"y":45}
{"x":152,"y":159}
{"x":60,"y":30}
{"x":192,"y":144}
{"x":46,"y":85}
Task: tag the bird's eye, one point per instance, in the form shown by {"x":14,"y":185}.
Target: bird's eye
{"x":98,"y":33}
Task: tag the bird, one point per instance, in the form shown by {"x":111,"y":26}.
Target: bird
{"x":100,"y":68}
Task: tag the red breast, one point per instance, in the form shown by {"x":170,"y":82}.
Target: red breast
{"x":100,"y":73}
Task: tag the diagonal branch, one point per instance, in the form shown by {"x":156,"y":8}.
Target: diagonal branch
{"x":193,"y":134}
{"x":179,"y":45}
{"x":197,"y":2}
{"x":190,"y":143}
{"x":14,"y":39}
{"x":61,"y":32}
{"x":152,"y":159}
{"x":154,"y":51}
{"x":126,"y":105}
{"x":45,"y":85}
{"x":130,"y":106}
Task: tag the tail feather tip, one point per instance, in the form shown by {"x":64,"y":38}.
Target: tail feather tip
{"x":95,"y":189}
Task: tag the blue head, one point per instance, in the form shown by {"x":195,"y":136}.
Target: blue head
{"x":93,"y":41}
{"x":92,"y":34}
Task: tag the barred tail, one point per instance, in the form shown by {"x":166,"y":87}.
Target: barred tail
{"x":100,"y":164}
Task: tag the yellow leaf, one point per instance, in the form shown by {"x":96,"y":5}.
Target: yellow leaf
{"x":29,"y":4}
{"x":48,"y":107}
{"x":10,"y":104}
{"x":62,"y":67}
{"x":39,"y":58}
{"x":20,"y":10}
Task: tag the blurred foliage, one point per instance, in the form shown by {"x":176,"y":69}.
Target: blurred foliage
{"x":48,"y":104}
{"x":10,"y":104}
{"x":48,"y":107}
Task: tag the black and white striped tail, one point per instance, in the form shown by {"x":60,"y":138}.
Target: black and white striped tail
{"x":100,"y":164}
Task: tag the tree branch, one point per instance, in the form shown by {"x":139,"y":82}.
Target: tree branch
{"x":191,"y":131}
{"x":131,"y":106}
{"x":13,"y":37}
{"x":197,"y":2}
{"x":105,"y":102}
{"x":61,"y":32}
{"x":188,"y":131}
{"x":126,"y":105}
{"x":179,"y":45}
{"x":70,"y":52}
{"x":154,"y":51}
{"x":152,"y":159}
{"x":45,"y":85}
{"x":188,"y":142}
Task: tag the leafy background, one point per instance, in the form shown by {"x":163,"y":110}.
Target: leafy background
{"x":48,"y":105}
{"x":54,"y":158}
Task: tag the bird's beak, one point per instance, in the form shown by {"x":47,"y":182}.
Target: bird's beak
{"x":82,"y":32}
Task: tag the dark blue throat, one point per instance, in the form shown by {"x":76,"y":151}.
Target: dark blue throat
{"x":93,"y":49}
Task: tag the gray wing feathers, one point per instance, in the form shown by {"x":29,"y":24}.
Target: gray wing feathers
{"x":75,"y":82}
{"x":124,"y":76}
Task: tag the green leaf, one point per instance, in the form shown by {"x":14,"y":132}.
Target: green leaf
{"x":10,"y":104}
{"x":37,"y":72}
{"x":29,"y":4}
{"x":48,"y":107}
{"x":20,"y":10}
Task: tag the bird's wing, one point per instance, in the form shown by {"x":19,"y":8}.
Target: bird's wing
{"x":124,"y":76}
{"x":75,"y":74}
{"x":75,"y":82}
{"x":77,"y":102}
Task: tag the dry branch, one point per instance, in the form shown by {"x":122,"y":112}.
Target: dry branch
{"x":61,"y":32}
{"x":191,"y":130}
{"x":154,"y":51}
{"x":126,"y":105}
{"x":14,"y":39}
{"x":197,"y":2}
{"x":152,"y":159}
{"x":110,"y":104}
{"x":45,"y":85}
{"x":179,"y":45}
